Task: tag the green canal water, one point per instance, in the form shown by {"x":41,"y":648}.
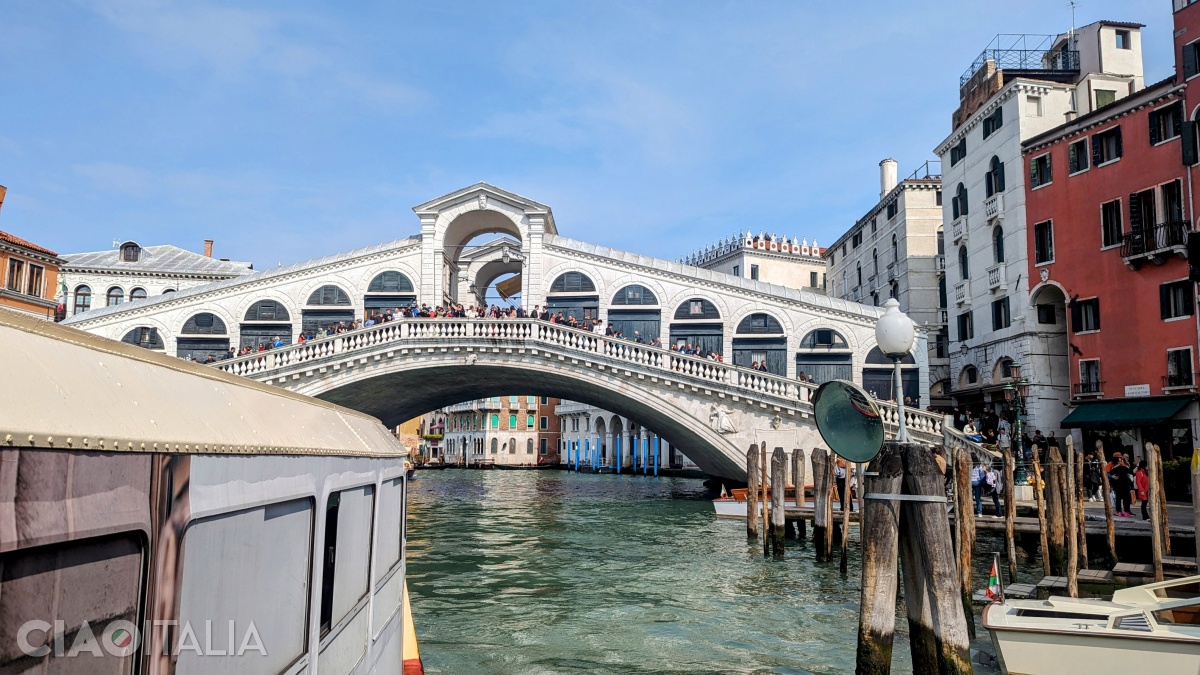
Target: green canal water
{"x":552,"y":572}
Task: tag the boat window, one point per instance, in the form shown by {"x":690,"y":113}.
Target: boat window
{"x":1133,"y":622}
{"x":1180,"y":616}
{"x":347,"y":554}
{"x":1190,"y":589}
{"x":1051,"y":614}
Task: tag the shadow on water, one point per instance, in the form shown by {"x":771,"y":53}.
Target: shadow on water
{"x":550,"y":572}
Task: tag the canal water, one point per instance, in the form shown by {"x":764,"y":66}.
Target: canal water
{"x":554,"y":572}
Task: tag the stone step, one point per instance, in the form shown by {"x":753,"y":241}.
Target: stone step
{"x":1134,"y":570}
{"x":1179,"y":563}
{"x":1095,"y":577}
{"x":1020,"y":591}
{"x":1053,"y":583}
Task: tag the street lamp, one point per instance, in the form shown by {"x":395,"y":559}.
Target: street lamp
{"x":1016,"y":392}
{"x":894,"y":332}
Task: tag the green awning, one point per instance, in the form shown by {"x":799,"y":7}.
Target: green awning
{"x":1126,"y":413}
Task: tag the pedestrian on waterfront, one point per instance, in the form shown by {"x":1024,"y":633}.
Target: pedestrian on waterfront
{"x":1092,"y":480}
{"x":1121,"y":480}
{"x":839,"y":476}
{"x":992,"y":479}
{"x":1004,"y":441}
{"x":978,"y":480}
{"x":1141,"y":480}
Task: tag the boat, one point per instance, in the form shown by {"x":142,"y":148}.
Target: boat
{"x":1144,"y":629}
{"x":734,"y":505}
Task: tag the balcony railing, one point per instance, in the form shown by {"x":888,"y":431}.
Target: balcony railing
{"x":958,"y":228}
{"x":996,"y":278}
{"x":1089,"y":388}
{"x":1154,"y":243}
{"x":1180,"y":380}
{"x":939,"y":262}
{"x":1024,"y":53}
{"x":943,"y":316}
{"x":962,"y":292}
{"x":993,"y":207}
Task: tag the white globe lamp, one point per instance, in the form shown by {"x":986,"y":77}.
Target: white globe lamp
{"x":895,"y":334}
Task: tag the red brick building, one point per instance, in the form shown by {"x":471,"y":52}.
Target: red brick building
{"x":1109,"y":206}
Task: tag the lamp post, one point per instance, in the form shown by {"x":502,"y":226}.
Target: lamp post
{"x":894,"y":332}
{"x":1016,"y":392}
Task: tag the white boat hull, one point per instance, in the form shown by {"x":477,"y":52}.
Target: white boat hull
{"x":1029,"y":652}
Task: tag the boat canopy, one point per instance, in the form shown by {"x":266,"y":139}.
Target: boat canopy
{"x":68,"y":389}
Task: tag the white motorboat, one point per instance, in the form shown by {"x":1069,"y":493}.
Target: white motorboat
{"x":1144,"y":629}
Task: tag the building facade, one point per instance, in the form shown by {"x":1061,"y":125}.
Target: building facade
{"x":31,"y":275}
{"x":499,"y":430}
{"x":1020,"y":87}
{"x":896,"y":251}
{"x":767,"y":257}
{"x":596,"y":437}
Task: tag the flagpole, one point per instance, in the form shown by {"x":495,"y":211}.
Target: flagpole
{"x":999,"y":577}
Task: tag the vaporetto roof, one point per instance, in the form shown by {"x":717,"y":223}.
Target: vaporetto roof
{"x":78,"y":391}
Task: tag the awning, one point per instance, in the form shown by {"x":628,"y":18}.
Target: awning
{"x":1125,"y":413}
{"x":509,"y":287}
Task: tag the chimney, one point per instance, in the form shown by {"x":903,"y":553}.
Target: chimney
{"x":887,"y":176}
{"x":3,"y":191}
{"x":208,"y":248}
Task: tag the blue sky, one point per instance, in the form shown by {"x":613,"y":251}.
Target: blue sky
{"x":292,"y":130}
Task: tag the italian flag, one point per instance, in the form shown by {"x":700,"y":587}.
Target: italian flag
{"x":62,"y":298}
{"x":994,"y":592}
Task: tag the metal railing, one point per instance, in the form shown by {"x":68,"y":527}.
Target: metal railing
{"x":1180,"y":380}
{"x":1023,"y":52}
{"x":1088,"y":388}
{"x":932,"y":168}
{"x":1149,"y":240}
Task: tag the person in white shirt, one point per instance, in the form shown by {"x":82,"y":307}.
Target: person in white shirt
{"x":598,"y":328}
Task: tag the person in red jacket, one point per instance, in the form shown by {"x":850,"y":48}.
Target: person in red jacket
{"x":1141,"y":480}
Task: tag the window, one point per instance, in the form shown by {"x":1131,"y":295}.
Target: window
{"x":872,"y":226}
{"x":1172,"y":200}
{"x":998,"y":244}
{"x":16,"y":270}
{"x":512,"y":446}
{"x":529,"y":421}
{"x":531,"y":400}
{"x":737,"y":269}
{"x":970,"y":374}
{"x":1046,"y":314}
{"x":994,"y":180}
{"x":1043,"y":242}
{"x":529,"y":446}
{"x":115,"y":296}
{"x":131,"y":252}
{"x":855,"y":241}
{"x":346,"y":555}
{"x":512,"y":421}
{"x":963,"y":263}
{"x":1123,"y":39}
{"x":1176,"y":299}
{"x":1077,"y":156}
{"x":993,"y":122}
{"x":544,"y":423}
{"x":495,"y":445}
{"x":754,"y":272}
{"x":1191,"y":59}
{"x":495,"y":422}
{"x":83,"y":299}
{"x":938,"y":197}
{"x":137,"y":294}
{"x":892,"y":209}
{"x":545,"y":400}
{"x":1106,"y":146}
{"x":1085,"y":315}
{"x":1033,"y":106}
{"x":1039,"y":171}
{"x":1105,"y":97}
{"x":813,"y":279}
{"x":1142,"y":213}
{"x":1179,"y":368}
{"x":573,"y":282}
{"x":958,"y":151}
{"x":858,"y":269}
{"x":958,"y":204}
{"x":1110,"y":223}
{"x":874,"y":262}
{"x":33,"y":280}
{"x":1166,"y":123}
{"x":695,"y":307}
{"x":966,"y":327}
{"x":1000,"y":314}
{"x":1089,"y":376}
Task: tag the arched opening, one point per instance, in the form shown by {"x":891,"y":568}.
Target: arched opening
{"x":964,"y":267}
{"x":137,"y":294}
{"x":958,"y":204}
{"x":83,"y":299}
{"x":994,"y":179}
{"x":617,"y":430}
{"x":824,"y":355}
{"x":264,"y":321}
{"x":145,"y":337}
{"x":388,"y":290}
{"x":878,"y":376}
{"x":1050,"y":306}
{"x":601,"y":429}
{"x":968,"y":378}
{"x":1002,"y":371}
{"x":895,"y":250}
{"x":202,"y":335}
{"x":998,"y":244}
{"x":326,"y":308}
{"x":573,"y":295}
{"x":635,"y":313}
{"x":457,"y":243}
{"x":115,"y":296}
{"x":760,"y":341}
{"x":698,"y":324}
{"x":130,"y":252}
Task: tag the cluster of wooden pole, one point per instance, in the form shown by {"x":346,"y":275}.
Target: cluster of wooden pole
{"x":767,"y":496}
{"x":914,"y":528}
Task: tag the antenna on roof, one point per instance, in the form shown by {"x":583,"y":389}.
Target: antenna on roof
{"x":1072,"y":33}
{"x":116,"y":242}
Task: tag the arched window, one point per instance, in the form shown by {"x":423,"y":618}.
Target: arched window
{"x":137,"y":294}
{"x":390,"y":282}
{"x":130,"y":252}
{"x":495,"y":445}
{"x":895,"y":293}
{"x":969,"y":377}
{"x":168,"y":290}
{"x":824,"y":355}
{"x":144,"y":336}
{"x":1003,"y":370}
{"x":115,"y":296}
{"x":529,"y":446}
{"x":824,"y":338}
{"x":998,"y":244}
{"x":959,"y":203}
{"x":267,"y":310}
{"x":573,"y":282}
{"x":858,"y":269}
{"x":874,"y":261}
{"x":83,"y":299}
{"x":512,"y":446}
{"x":759,"y":323}
{"x":329,"y":295}
{"x":204,"y":323}
{"x":962,"y":263}
{"x":635,"y":294}
{"x":895,"y":250}
{"x":697,"y":308}
{"x":994,"y":180}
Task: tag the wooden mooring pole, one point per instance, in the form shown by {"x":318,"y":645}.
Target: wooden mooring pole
{"x":1080,"y":519}
{"x":778,"y":486}
{"x":752,"y":492}
{"x":822,"y":507}
{"x":1160,"y":496}
{"x":798,"y":476}
{"x":964,"y":523}
{"x":1038,"y":484}
{"x":849,"y":506}
{"x":937,"y":619}
{"x":1156,"y":514}
{"x":1110,"y":527}
{"x":1072,"y":522}
{"x":1056,"y":511}
{"x":766,"y":504}
{"x":1010,"y":512}
{"x":879,"y":530}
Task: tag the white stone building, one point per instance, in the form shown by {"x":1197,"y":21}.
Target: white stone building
{"x":765,"y":257}
{"x":895,"y":250}
{"x":1019,"y":87}
{"x":591,"y":430}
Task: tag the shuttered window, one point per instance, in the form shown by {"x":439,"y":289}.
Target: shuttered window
{"x":1106,"y":146}
{"x":1176,"y":299}
{"x":329,"y":295}
{"x":1039,"y":171}
{"x":1077,"y":156}
{"x":573,"y":282}
{"x":1166,"y":123}
{"x":1085,"y":315}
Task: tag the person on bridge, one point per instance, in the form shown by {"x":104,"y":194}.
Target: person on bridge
{"x":599,"y":329}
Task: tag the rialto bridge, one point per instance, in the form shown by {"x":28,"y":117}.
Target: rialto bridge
{"x":403,"y":368}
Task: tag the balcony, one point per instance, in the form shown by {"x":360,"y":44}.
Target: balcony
{"x":939,"y":263}
{"x":958,"y":229}
{"x":943,"y":316}
{"x":1092,"y":388}
{"x":891,"y":271}
{"x":871,"y":287}
{"x":1179,"y":381}
{"x":1154,"y":243}
{"x":962,"y":293}
{"x":856,"y":294}
{"x":996,"y":278}
{"x":1025,"y":55}
{"x":993,"y":207}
